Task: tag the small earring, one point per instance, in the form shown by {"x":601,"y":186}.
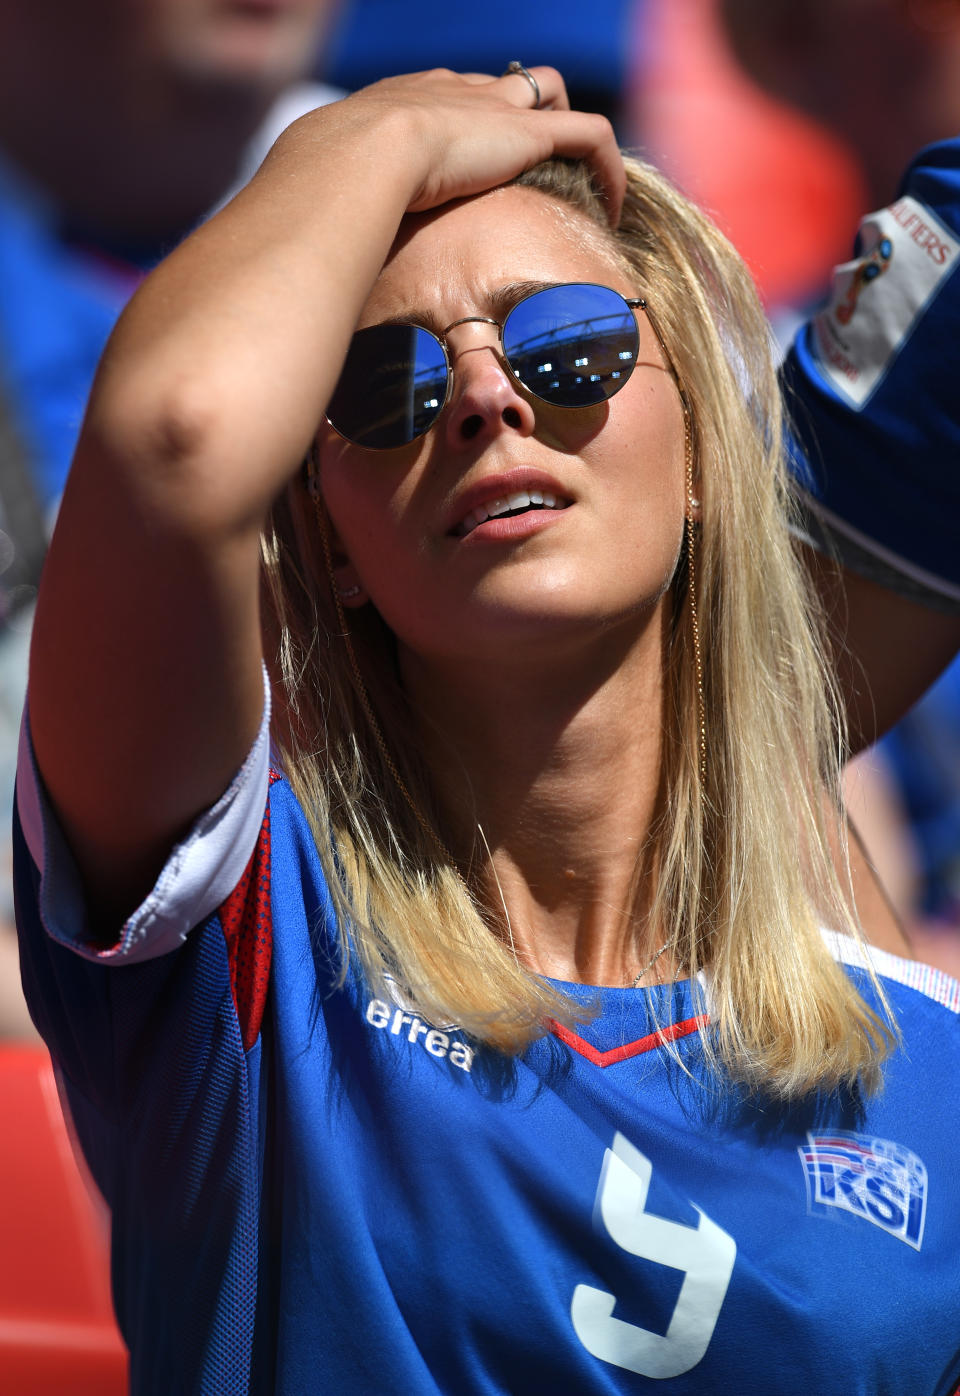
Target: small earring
{"x":694,"y":503}
{"x":348,"y":593}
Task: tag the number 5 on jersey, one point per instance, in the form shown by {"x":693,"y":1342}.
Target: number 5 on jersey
{"x":705,"y":1253}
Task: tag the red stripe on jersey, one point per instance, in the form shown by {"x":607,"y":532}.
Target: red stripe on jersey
{"x":248,"y":931}
{"x":629,"y":1049}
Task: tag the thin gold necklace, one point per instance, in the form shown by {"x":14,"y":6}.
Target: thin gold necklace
{"x":649,"y":966}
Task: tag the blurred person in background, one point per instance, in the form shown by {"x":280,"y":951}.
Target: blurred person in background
{"x":761,"y":112}
{"x":883,"y":76}
{"x":121,"y":125}
{"x":785,"y":190}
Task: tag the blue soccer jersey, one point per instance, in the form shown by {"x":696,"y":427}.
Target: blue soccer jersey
{"x":871,"y":385}
{"x":313,"y":1190}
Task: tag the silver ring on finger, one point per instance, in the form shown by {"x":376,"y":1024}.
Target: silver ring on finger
{"x":523,"y":72}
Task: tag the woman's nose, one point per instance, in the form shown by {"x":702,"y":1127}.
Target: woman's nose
{"x":486,"y":398}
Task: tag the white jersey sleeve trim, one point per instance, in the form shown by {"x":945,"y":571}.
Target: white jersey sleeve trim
{"x":200,"y":873}
{"x":934,"y":983}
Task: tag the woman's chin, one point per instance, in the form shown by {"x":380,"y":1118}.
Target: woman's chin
{"x":542,"y":631}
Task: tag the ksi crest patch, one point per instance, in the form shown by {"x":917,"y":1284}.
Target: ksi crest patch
{"x":881,"y":1182}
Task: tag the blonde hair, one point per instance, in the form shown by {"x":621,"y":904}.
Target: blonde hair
{"x":745,"y":866}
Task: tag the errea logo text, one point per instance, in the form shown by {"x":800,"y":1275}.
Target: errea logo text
{"x":438,"y":1043}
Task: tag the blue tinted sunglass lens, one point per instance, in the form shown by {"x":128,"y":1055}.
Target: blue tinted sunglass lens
{"x":572,"y":345}
{"x":392,"y":386}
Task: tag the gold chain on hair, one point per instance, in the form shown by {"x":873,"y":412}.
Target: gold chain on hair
{"x":691,"y":526}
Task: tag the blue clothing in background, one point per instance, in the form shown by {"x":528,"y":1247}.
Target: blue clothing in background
{"x":873,"y":389}
{"x":590,"y":44}
{"x":924,"y":753}
{"x":58,"y":304}
{"x":872,"y":385}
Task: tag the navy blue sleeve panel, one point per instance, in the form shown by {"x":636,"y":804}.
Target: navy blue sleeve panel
{"x":68,"y":996}
{"x":188,"y":1176}
{"x":871,"y":384}
{"x":163,"y":1098}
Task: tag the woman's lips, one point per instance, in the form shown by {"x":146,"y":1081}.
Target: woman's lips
{"x":511,"y":527}
{"x":518,"y":488}
{"x":507,"y":507}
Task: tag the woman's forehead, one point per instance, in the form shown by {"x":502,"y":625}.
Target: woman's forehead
{"x":462,"y":253}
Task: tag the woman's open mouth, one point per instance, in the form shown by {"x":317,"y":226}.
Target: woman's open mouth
{"x":509,"y":506}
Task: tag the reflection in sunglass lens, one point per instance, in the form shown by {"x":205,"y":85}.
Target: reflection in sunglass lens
{"x":571,"y":345}
{"x":392,"y":386}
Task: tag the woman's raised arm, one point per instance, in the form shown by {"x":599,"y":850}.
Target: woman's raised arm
{"x":145,"y":687}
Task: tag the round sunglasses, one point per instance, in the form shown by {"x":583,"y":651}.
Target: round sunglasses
{"x":571,"y":346}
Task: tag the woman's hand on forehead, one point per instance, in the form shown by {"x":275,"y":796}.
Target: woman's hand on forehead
{"x":474,"y":131}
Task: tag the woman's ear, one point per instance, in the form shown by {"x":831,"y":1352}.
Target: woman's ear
{"x":348,"y":588}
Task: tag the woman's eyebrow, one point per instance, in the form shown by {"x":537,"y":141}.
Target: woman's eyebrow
{"x":504,"y":298}
{"x":498,"y":303}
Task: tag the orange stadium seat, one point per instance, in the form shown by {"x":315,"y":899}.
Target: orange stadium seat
{"x":58,"y":1336}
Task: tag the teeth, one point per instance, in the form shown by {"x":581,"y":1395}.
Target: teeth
{"x":522,"y":499}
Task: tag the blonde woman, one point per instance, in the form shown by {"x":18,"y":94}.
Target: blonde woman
{"x":491,"y":1017}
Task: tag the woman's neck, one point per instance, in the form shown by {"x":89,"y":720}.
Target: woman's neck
{"x":559,"y":770}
